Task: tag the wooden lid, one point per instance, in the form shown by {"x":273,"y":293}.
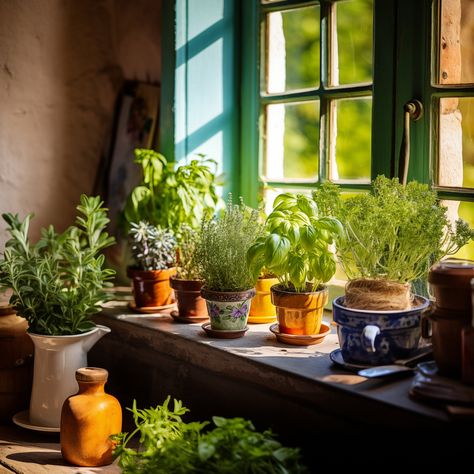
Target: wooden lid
{"x":91,"y":374}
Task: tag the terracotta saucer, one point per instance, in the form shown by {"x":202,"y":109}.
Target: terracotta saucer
{"x":223,"y":333}
{"x":188,"y":319}
{"x":301,"y":340}
{"x":150,"y":309}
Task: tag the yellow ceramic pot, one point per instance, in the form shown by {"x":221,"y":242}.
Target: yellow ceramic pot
{"x":299,"y":313}
{"x":262,"y":309}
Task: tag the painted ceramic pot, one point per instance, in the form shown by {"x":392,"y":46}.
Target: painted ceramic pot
{"x":228,"y":310}
{"x":378,"y":337}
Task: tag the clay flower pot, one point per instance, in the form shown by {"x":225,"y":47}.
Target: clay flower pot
{"x":151,"y":288}
{"x":262,"y":309}
{"x":188,"y":297}
{"x":228,"y":310}
{"x":299,"y":313}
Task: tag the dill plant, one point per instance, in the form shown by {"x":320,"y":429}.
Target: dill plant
{"x":223,"y":246}
{"x":394,"y":233}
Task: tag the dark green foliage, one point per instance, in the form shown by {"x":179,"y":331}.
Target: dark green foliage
{"x":58,"y":282}
{"x":170,"y":196}
{"x":394,"y":233}
{"x":168,"y":445}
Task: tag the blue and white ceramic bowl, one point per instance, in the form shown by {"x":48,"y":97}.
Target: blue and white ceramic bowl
{"x":378,"y":337}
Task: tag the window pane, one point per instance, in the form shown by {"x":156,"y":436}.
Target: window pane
{"x":456,"y":42}
{"x":351,"y":135}
{"x":293,"y":49}
{"x":456,"y":142}
{"x":292,"y":141}
{"x":463,"y":210}
{"x":351,"y":60}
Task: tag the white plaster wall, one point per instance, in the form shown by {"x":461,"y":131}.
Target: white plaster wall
{"x":62,"y":63}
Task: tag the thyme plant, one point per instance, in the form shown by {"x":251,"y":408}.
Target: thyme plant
{"x":223,"y":247}
{"x":153,"y":248}
{"x":395,"y":233}
{"x":188,"y":265}
{"x":58,"y":282}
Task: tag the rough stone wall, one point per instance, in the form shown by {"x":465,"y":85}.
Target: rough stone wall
{"x":62,"y":63}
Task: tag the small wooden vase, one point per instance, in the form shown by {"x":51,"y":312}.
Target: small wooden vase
{"x":88,"y":419}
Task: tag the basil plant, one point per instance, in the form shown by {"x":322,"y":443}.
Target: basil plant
{"x":296,"y":246}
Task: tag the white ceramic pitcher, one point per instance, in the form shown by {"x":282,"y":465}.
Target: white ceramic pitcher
{"x":56,"y":360}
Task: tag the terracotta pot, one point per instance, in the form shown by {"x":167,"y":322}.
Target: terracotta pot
{"x":88,"y":419}
{"x":446,"y":331}
{"x":299,"y":313}
{"x":151,"y":288}
{"x":228,"y":310}
{"x":450,"y":284}
{"x":188,"y":297}
{"x":16,"y":363}
{"x":262,"y":309}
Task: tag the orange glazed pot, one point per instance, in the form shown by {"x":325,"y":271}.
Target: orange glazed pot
{"x":299,"y":313}
{"x":188,"y":297}
{"x":151,"y":288}
{"x":88,"y":419}
{"x":262,"y":309}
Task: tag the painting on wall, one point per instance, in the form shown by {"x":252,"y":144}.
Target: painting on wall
{"x":135,"y":126}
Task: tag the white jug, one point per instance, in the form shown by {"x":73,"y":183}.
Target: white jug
{"x":54,"y":378}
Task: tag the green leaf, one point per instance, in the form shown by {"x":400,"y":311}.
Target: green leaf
{"x":297,"y":272}
{"x":276,"y":249}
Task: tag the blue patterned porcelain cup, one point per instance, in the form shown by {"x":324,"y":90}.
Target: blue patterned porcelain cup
{"x":378,"y":337}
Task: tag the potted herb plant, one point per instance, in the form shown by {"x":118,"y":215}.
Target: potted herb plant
{"x":296,"y":248}
{"x":228,"y":283}
{"x":392,"y":237}
{"x":187,"y":283}
{"x":57,"y":284}
{"x":154,"y":252}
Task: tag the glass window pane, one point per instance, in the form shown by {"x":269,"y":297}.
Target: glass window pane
{"x":463,"y":210}
{"x":293,"y":49}
{"x":351,"y":139}
{"x":351,"y":58}
{"x":292,"y":141}
{"x":456,"y":142}
{"x":456,"y":42}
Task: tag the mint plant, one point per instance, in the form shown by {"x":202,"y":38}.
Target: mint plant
{"x":58,"y":283}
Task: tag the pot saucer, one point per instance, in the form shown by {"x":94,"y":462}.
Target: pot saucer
{"x":188,"y":319}
{"x":336,"y":358}
{"x":301,"y":340}
{"x":23,"y":419}
{"x":223,"y":333}
{"x":150,"y":309}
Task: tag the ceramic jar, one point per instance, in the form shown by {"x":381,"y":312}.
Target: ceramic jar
{"x":16,"y":363}
{"x":450,"y":287}
{"x":88,"y":419}
{"x":376,"y":337}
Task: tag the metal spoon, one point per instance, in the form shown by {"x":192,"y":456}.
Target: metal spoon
{"x":384,"y":370}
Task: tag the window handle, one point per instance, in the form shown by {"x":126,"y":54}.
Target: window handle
{"x":412,"y":110}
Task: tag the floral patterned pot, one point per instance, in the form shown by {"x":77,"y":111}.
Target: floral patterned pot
{"x":376,"y":337}
{"x":228,"y":310}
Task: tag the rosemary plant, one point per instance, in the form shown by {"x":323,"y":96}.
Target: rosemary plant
{"x":58,"y":282}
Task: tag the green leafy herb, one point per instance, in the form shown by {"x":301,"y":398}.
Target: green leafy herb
{"x":58,"y":282}
{"x":168,"y":445}
{"x":170,"y":196}
{"x":296,"y":246}
{"x":395,"y":233}
{"x":153,"y":248}
{"x":223,"y":246}
{"x":188,"y":265}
